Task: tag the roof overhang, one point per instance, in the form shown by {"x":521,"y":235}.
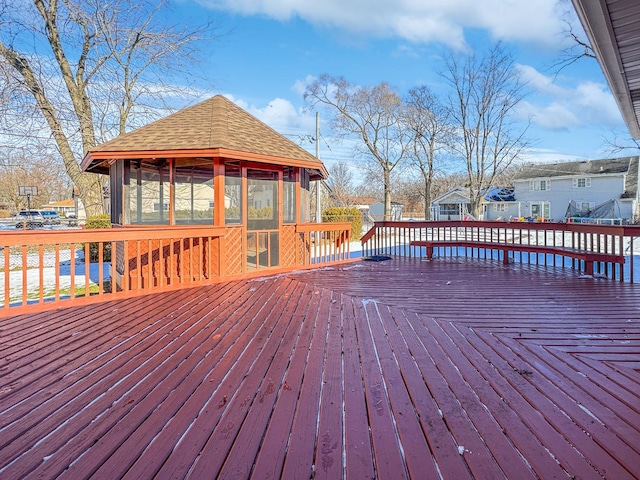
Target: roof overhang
{"x":99,"y":161}
{"x":612,"y":28}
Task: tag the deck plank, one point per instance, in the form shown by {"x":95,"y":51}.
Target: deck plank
{"x":387,"y":451}
{"x":239,"y":463}
{"x":329,"y":451}
{"x":409,"y":431}
{"x":204,"y":413}
{"x":398,"y":369}
{"x":126,"y":442}
{"x":124,"y":405}
{"x":270,"y":458}
{"x":302,"y":438}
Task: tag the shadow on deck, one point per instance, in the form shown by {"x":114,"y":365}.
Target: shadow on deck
{"x":450,"y":369}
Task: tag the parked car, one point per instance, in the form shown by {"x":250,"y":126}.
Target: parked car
{"x":29,"y":218}
{"x":50,"y":217}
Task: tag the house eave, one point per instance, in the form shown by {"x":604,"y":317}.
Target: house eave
{"x":596,"y":20}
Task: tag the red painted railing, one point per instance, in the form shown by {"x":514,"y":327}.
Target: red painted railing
{"x":50,"y":268}
{"x":396,"y":237}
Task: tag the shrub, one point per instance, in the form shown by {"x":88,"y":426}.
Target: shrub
{"x":99,"y":221}
{"x":343,"y":214}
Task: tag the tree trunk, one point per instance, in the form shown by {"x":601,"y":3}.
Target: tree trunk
{"x":427,"y":200}
{"x":387,"y":194}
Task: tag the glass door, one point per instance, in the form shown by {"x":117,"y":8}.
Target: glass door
{"x":263,"y":246}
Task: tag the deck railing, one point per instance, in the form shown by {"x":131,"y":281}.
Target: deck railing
{"x":325,"y":242}
{"x":48,"y":268}
{"x":396,"y":237}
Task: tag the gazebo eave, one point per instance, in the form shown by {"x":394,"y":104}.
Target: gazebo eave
{"x":99,"y":161}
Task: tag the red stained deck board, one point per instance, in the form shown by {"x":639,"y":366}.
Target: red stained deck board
{"x":329,"y":451}
{"x":509,"y":419}
{"x":203,"y":413}
{"x":477,"y":401}
{"x":30,"y":374}
{"x":387,"y":453}
{"x":79,"y":385}
{"x":122,"y":445}
{"x":302,"y":438}
{"x":97,"y":422}
{"x":440,"y":440}
{"x":440,"y":340}
{"x":613,"y":378}
{"x":239,"y":462}
{"x":411,"y":437}
{"x":565,"y":435}
{"x":359,"y":461}
{"x":606,"y":389}
{"x":566,"y":386}
{"x":271,"y":456}
{"x":554,"y":429}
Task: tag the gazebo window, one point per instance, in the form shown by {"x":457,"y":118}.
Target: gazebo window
{"x":263,"y":200}
{"x":289,"y":179}
{"x":193,"y":192}
{"x":305,"y":197}
{"x":232,"y":194}
{"x":148,"y":190}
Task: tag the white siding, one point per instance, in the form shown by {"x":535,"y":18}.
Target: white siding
{"x":563,"y":189}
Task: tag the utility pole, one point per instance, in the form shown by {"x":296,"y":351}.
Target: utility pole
{"x":319,"y":182}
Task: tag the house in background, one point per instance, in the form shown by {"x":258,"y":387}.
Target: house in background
{"x":67,"y":208}
{"x":451,"y":205}
{"x":498,"y":204}
{"x":550,"y":191}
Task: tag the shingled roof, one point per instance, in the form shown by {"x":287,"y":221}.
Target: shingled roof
{"x":587,"y":167}
{"x":214,"y":127}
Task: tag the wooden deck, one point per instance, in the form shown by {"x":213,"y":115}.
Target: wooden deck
{"x":449,"y":369}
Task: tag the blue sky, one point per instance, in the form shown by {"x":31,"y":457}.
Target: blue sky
{"x":274,"y":48}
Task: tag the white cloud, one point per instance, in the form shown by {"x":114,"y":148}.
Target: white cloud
{"x":419,"y":21}
{"x":282,"y":116}
{"x":540,"y":155}
{"x":300,"y":86}
{"x":555,"y":107}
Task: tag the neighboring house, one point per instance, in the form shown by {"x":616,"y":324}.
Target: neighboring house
{"x":549,"y":190}
{"x":498,"y":204}
{"x":67,"y":207}
{"x":451,"y":205}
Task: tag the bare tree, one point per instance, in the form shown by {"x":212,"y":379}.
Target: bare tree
{"x":341,"y":183}
{"x":370,"y":113}
{"x":22,"y":169}
{"x":431,"y":131}
{"x":86,"y":66}
{"x":485,"y":95}
{"x":578,"y":45}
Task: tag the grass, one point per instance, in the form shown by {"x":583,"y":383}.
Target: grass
{"x":79,"y":291}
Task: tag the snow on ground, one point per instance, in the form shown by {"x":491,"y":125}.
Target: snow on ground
{"x":49,"y":275}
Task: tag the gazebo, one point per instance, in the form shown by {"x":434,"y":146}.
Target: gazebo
{"x":213,"y":164}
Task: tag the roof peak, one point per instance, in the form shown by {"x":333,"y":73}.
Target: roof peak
{"x":212,"y":124}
